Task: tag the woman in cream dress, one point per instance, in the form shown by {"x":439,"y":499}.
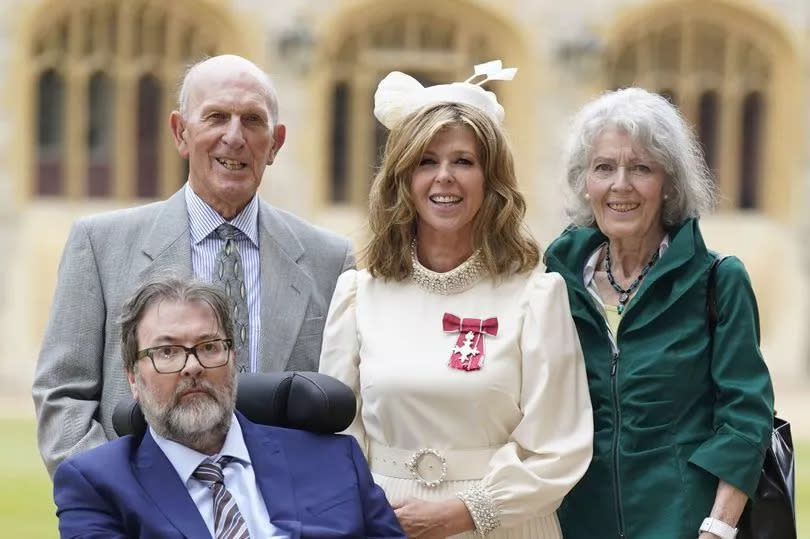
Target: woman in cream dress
{"x":473,"y":406}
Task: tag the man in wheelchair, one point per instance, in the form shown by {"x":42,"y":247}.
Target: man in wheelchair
{"x":201,"y":468}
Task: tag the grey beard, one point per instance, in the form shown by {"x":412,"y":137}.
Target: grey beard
{"x":200,"y":424}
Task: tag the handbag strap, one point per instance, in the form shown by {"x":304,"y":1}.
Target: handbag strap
{"x":711,"y":293}
{"x":711,"y":310}
{"x":778,"y":469}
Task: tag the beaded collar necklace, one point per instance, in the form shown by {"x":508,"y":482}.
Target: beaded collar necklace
{"x":624,"y":293}
{"x":454,"y":281}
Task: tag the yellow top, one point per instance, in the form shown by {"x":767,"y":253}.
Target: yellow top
{"x":613,"y":317}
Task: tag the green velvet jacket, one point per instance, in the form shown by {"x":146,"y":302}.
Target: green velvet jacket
{"x":674,"y":408}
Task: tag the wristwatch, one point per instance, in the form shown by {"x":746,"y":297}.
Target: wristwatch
{"x":718,"y":528}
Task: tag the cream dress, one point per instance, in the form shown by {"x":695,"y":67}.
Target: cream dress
{"x":523,"y":419}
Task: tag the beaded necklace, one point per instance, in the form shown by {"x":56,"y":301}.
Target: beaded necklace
{"x":624,"y":293}
{"x":458,"y":279}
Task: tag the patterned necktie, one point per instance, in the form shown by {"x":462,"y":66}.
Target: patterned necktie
{"x":229,"y":273}
{"x":228,"y":521}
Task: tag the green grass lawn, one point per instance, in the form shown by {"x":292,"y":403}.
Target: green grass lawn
{"x":26,"y":500}
{"x":27,"y":510}
{"x":803,"y":489}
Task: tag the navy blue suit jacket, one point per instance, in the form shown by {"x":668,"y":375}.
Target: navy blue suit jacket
{"x":314,"y":485}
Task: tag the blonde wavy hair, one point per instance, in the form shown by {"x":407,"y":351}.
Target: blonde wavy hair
{"x":499,"y":229}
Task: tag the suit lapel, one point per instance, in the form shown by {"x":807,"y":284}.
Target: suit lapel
{"x":159,"y":479}
{"x":272,"y":475}
{"x":285,"y":287}
{"x":167,"y":243}
{"x":285,"y":290}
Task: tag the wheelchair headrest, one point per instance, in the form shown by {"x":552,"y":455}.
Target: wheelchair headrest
{"x":299,"y":400}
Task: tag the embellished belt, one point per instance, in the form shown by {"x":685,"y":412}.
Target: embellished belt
{"x":428,"y":466}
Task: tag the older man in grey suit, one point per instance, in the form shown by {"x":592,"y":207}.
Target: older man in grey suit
{"x":282,"y":269}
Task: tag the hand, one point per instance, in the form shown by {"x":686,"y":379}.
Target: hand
{"x":421,"y":519}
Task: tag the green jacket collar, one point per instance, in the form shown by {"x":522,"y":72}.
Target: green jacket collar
{"x":568,"y":253}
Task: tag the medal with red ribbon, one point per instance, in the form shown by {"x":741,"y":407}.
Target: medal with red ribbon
{"x":468,"y":353}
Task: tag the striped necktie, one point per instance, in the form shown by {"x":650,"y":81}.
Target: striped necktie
{"x":229,"y":273}
{"x":228,"y":521}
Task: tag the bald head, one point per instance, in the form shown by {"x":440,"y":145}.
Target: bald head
{"x":229,"y":65}
{"x":227,"y":127}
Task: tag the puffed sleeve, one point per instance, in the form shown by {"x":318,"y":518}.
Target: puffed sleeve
{"x":743,"y":410}
{"x":551,"y":447}
{"x":340,"y":353}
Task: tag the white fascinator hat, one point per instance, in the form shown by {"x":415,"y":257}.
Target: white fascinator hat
{"x":399,"y":94}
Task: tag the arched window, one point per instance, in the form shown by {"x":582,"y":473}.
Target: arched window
{"x":340,"y":143}
{"x":707,"y":127}
{"x":100,"y":135}
{"x":50,"y":133}
{"x":719,"y":80}
{"x":149,"y":99}
{"x":102,"y":70}
{"x":432,"y":48}
{"x":751,"y":150}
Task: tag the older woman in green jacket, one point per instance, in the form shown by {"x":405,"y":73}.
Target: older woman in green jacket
{"x":682,"y":414}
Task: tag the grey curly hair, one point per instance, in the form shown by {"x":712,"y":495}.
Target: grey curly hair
{"x":656,"y":126}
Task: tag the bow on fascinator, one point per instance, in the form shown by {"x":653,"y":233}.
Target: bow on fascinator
{"x":399,"y":94}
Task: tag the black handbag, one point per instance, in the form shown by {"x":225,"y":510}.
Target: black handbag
{"x":771,"y":514}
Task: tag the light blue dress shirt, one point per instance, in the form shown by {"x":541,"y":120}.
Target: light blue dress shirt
{"x":239,"y":480}
{"x":206,"y":244}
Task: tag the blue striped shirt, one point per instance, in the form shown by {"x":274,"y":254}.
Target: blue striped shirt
{"x":206,"y":244}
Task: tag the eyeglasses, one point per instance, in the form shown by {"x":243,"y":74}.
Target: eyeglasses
{"x":171,"y":358}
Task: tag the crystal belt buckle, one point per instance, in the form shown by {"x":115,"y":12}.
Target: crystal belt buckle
{"x":417,"y":458}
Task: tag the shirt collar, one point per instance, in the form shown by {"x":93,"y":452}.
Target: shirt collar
{"x":590,"y":265}
{"x":203,"y":219}
{"x":185,"y":460}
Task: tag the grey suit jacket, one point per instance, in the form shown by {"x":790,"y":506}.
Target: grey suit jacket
{"x":79,"y":376}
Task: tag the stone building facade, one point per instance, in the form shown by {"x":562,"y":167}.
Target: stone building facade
{"x":86,"y":87}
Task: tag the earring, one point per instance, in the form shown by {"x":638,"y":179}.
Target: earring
{"x":666,"y":197}
{"x":587,"y":196}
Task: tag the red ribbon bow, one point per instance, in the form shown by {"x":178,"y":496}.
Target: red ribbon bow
{"x":468,"y":353}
